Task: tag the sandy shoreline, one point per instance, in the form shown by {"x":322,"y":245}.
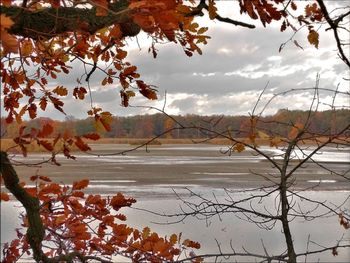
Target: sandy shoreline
{"x":176,"y":167}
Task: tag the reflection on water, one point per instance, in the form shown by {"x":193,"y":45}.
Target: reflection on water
{"x":157,"y":179}
{"x":226,"y":228}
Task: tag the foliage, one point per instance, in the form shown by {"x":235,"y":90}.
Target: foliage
{"x":39,"y":40}
{"x":89,"y":225}
{"x":146,"y":126}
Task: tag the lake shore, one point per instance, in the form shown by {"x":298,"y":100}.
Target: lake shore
{"x":144,"y":172}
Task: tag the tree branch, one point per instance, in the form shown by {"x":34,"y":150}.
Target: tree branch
{"x":50,"y":22}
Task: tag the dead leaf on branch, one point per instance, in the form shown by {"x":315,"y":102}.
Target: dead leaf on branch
{"x":313,"y":38}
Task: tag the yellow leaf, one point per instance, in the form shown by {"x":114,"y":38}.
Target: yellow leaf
{"x":313,"y":38}
{"x":239,"y":147}
{"x":145,"y":232}
{"x":263,"y":135}
{"x":26,"y":48}
{"x":60,"y":219}
{"x":173,"y":239}
{"x":99,"y":126}
{"x":275,"y":141}
{"x":202,"y":30}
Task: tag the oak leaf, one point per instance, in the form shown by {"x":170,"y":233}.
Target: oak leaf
{"x":295,"y":130}
{"x":46,"y":144}
{"x":46,"y":131}
{"x":212,"y":10}
{"x":4,"y":197}
{"x":61,"y":91}
{"x":81,"y":144}
{"x":313,"y":38}
{"x":239,"y":147}
{"x":92,"y":136}
{"x":192,"y":244}
{"x":80,"y":185}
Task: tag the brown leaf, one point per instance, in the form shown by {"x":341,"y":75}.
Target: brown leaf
{"x":81,"y":145}
{"x":212,"y":10}
{"x":61,"y":91}
{"x":313,"y":38}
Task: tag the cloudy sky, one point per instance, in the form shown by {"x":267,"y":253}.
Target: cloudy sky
{"x":237,"y":63}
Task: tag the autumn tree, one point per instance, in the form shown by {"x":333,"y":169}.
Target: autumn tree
{"x":41,"y":40}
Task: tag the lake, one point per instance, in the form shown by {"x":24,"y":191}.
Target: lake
{"x":158,"y":178}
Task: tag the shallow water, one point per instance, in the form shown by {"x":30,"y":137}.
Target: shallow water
{"x":154,"y":178}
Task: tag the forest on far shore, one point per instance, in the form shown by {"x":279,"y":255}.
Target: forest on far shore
{"x":146,"y":126}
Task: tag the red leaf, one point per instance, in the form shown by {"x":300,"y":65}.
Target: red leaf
{"x":80,"y":185}
{"x":44,"y":178}
{"x":51,"y":189}
{"x":129,"y":70}
{"x":92,"y":136}
{"x":119,"y":201}
{"x":46,"y":131}
{"x":81,"y":145}
{"x":32,"y":111}
{"x":33,"y":178}
{"x":47,"y":145}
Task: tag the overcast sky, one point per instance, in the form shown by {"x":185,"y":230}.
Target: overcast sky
{"x":237,"y":63}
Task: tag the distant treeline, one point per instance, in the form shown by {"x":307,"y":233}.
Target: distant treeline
{"x":146,"y":126}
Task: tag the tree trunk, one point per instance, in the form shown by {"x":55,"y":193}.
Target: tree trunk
{"x":285,"y":205}
{"x":36,"y":231}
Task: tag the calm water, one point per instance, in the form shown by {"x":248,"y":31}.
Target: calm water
{"x":153,"y":178}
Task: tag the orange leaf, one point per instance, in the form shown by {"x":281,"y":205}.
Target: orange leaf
{"x":78,"y":194}
{"x":47,"y":145}
{"x":239,"y":147}
{"x":51,"y":189}
{"x":80,"y":185}
{"x":108,"y":220}
{"x":295,"y":130}
{"x":81,"y":145}
{"x":212,"y":10}
{"x":78,"y":228}
{"x":61,"y":91}
{"x":46,"y":131}
{"x":83,"y":236}
{"x":43,"y":103}
{"x":8,"y":42}
{"x":190,"y":243}
{"x":59,"y":220}
{"x":129,"y":70}
{"x":4,"y":196}
{"x":119,"y":201}
{"x":92,"y":136}
{"x":6,"y":3}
